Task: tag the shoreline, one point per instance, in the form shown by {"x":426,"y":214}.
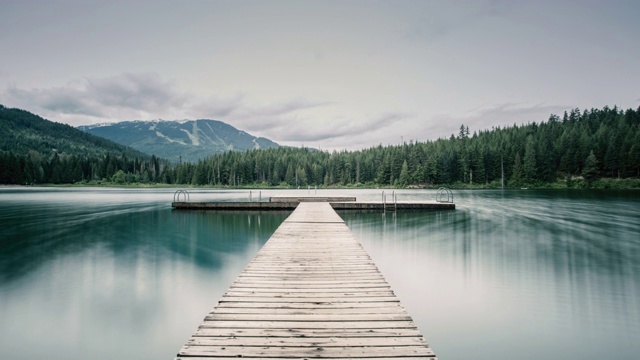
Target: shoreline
{"x":577,"y":184}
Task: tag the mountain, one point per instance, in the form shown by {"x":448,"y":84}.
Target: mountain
{"x":34,"y":150}
{"x":187,"y":140}
{"x":22,"y":132}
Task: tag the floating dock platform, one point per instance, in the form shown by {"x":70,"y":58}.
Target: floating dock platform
{"x":290,"y":203}
{"x":312,"y":292}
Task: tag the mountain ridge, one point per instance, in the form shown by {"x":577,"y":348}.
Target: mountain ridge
{"x":23,"y":131}
{"x":179,"y":140}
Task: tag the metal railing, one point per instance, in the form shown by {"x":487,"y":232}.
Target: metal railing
{"x":394,"y":197}
{"x":184,"y":193}
{"x":259,"y":196}
{"x":444,"y":193}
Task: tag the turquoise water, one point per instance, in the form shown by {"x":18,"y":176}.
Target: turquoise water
{"x":106,"y":273}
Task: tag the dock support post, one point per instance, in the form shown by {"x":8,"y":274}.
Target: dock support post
{"x":395,"y":201}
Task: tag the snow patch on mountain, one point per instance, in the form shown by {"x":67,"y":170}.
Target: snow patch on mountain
{"x":193,"y":136}
{"x":161,"y":135}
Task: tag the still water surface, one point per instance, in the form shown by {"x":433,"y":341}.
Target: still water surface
{"x":115,"y":273}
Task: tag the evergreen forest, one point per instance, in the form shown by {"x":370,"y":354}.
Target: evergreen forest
{"x":37,"y":151}
{"x":582,"y":145}
{"x":575,"y":149}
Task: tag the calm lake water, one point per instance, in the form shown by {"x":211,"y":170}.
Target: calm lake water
{"x":116,"y":273}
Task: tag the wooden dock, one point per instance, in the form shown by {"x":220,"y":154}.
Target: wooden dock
{"x":311,"y":292}
{"x":290,"y":203}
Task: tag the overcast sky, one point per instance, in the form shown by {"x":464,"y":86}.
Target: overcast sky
{"x":325,"y":74}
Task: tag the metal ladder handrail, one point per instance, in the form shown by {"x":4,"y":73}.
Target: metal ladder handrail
{"x":441,"y":193}
{"x":176,"y":195}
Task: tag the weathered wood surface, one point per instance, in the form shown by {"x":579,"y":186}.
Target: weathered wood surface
{"x":311,"y":292}
{"x":311,"y":198}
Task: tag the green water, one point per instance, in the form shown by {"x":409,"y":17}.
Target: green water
{"x":112,"y":273}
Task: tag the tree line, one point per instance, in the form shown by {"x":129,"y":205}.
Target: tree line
{"x":35,"y":168}
{"x":587,"y":145}
{"x":581,"y":144}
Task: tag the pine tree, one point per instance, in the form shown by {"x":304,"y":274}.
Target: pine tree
{"x":590,"y":169}
{"x":404,"y":178}
{"x":517,"y":175}
{"x":529,"y":167}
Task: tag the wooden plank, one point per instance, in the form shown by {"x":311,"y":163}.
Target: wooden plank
{"x":308,"y":333}
{"x":293,"y":281}
{"x":309,"y":305}
{"x":289,"y":358}
{"x":258,"y":283}
{"x":312,"y":272}
{"x":311,"y":267}
{"x":312,"y":199}
{"x":312,"y":250}
{"x":359,"y":293}
{"x":309,"y":287}
{"x":306,"y":351}
{"x":302,"y":274}
{"x":259,"y":324}
{"x":314,"y":277}
{"x":316,"y":260}
{"x":310,"y":311}
{"x":308,"y":317}
{"x":317,"y":301}
{"x":311,"y":278}
{"x":346,"y":258}
{"x":304,"y":271}
{"x":303,"y":341}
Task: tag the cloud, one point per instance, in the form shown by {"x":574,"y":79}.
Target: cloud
{"x":59,"y":100}
{"x":149,"y":96}
{"x":436,"y":20}
{"x":342,"y":132}
{"x":515,"y":113}
{"x":339,"y":128}
{"x":265,"y":117}
{"x":215,"y":107}
{"x":288,"y":107}
{"x":146,"y":92}
{"x":109,"y":98}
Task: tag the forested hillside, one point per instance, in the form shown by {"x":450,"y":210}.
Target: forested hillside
{"x":35,"y":150}
{"x":581,"y":144}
